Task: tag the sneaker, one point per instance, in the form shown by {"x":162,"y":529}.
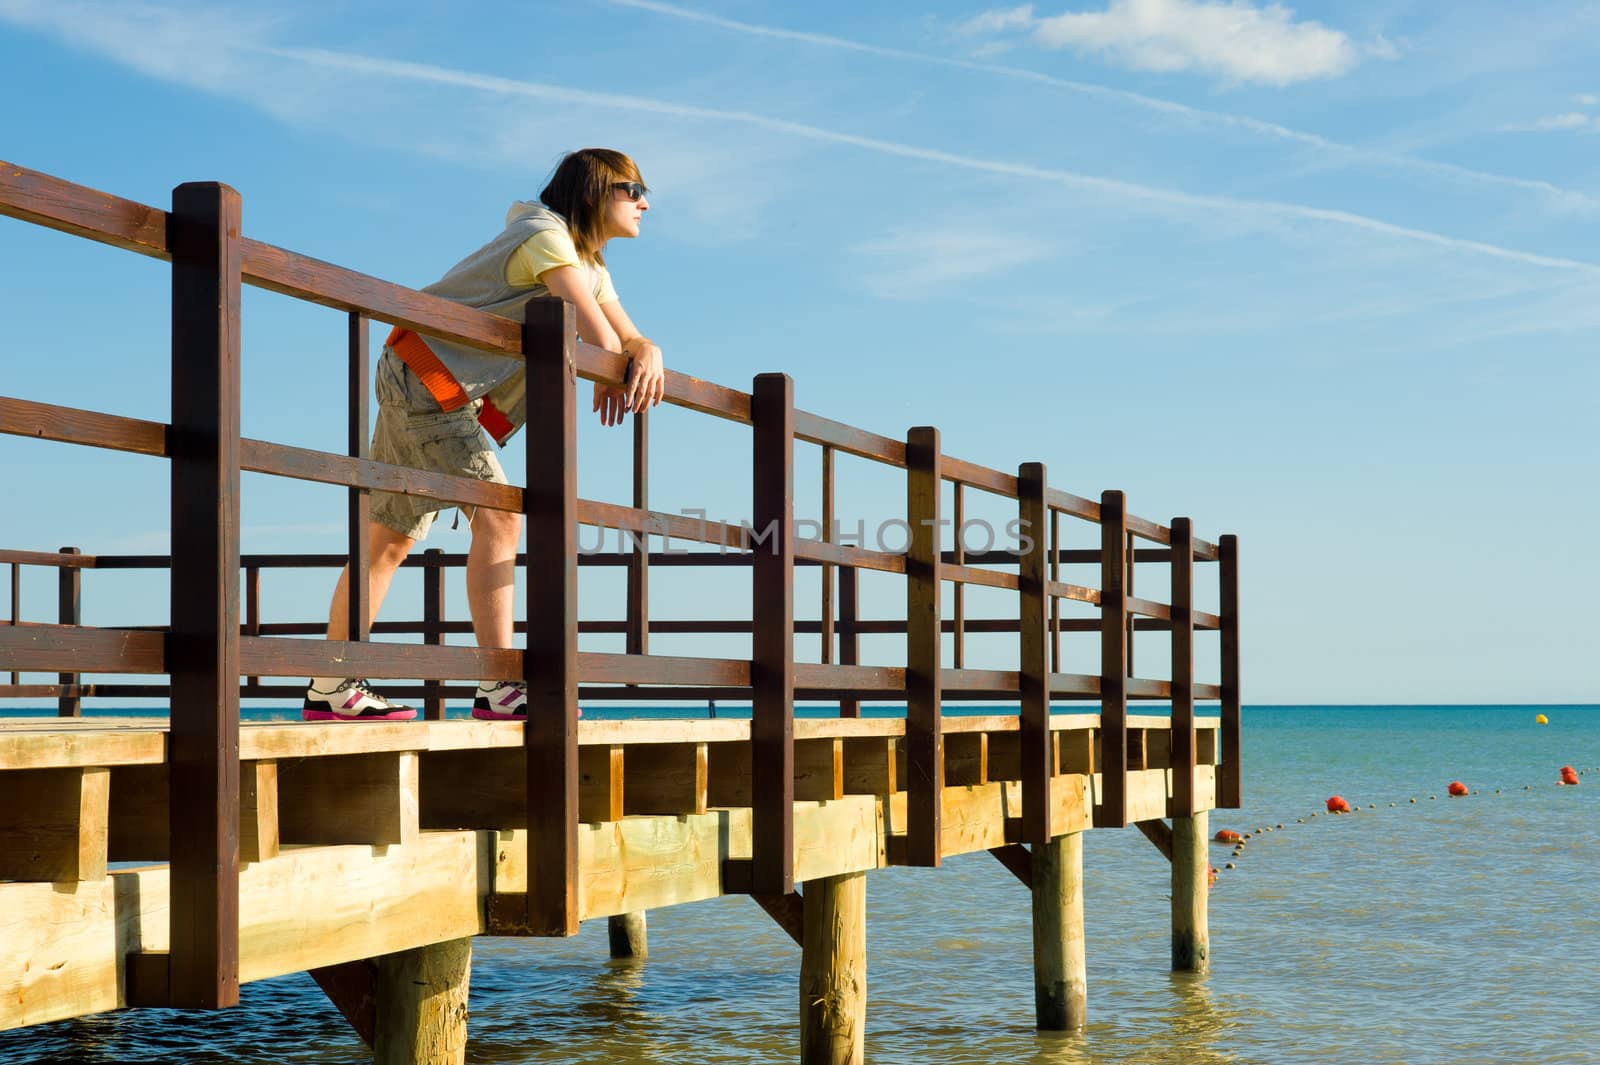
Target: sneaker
{"x":354,"y":700}
{"x":505,"y":700}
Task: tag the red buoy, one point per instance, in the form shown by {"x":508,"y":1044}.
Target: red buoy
{"x":1569,"y":775}
{"x":1227,"y":835}
{"x":1337,"y":805}
{"x":1457,"y":788}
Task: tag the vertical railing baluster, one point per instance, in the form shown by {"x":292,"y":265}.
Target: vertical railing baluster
{"x":1130,"y":621}
{"x":202,"y":648}
{"x":1113,"y":807}
{"x":1230,"y":788}
{"x":849,"y":636}
{"x":69,"y":603}
{"x":1055,"y":603}
{"x":433,"y":626}
{"x":16,"y":607}
{"x":924,"y":644}
{"x":827,"y":567}
{"x":252,"y":608}
{"x":638,"y":625}
{"x":1183,"y":754}
{"x":958,"y":554}
{"x":1038,"y":754}
{"x":359,"y":620}
{"x":772,"y":642}
{"x":550,"y":664}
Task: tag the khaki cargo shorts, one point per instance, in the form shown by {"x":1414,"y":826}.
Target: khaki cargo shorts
{"x":413,"y":431}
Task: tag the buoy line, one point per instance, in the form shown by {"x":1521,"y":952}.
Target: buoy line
{"x":1337,"y":806}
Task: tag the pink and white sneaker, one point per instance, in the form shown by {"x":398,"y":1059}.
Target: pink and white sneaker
{"x":505,"y":700}
{"x":354,"y":700}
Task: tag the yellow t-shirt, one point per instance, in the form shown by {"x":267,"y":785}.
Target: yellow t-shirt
{"x":546,"y":250}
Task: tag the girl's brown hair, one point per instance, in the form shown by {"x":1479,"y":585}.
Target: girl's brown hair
{"x":578,"y":191}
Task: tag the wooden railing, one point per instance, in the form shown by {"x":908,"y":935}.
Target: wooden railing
{"x":210,"y":643}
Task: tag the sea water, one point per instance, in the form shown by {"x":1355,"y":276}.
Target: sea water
{"x":1443,"y":930}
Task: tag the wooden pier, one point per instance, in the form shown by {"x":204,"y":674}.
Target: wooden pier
{"x":369,"y":854}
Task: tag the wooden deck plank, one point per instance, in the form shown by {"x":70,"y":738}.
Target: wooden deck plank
{"x":72,"y":748}
{"x":60,"y":743}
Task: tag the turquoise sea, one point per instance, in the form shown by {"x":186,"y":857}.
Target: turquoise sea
{"x":1456,"y":931}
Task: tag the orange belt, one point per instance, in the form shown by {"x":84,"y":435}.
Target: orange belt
{"x":415,"y":353}
{"x":441,"y":383}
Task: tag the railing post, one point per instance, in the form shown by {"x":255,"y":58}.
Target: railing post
{"x":1113,"y":807}
{"x":627,"y":932}
{"x":550,"y":667}
{"x":69,"y":593}
{"x":1183,"y":800}
{"x":772,"y":643}
{"x":924,"y":644}
{"x":360,"y":617}
{"x":1038,"y":755}
{"x":1230,"y":786}
{"x":202,"y":648}
{"x":433,"y":626}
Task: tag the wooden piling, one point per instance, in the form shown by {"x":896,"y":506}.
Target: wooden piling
{"x":422,"y":1005}
{"x":833,"y":971}
{"x":1191,"y":869}
{"x":1060,"y":981}
{"x":629,"y":941}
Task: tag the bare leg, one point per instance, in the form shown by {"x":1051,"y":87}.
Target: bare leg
{"x":387,"y":549}
{"x":491,"y":574}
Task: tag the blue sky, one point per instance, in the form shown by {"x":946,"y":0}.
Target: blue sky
{"x":1321,"y":275}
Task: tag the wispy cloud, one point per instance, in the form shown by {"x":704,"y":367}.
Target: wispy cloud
{"x":1002,"y":21}
{"x":1570,"y":120}
{"x":1585,"y":121}
{"x":1554,"y":195}
{"x":1260,"y":211}
{"x":911,"y":262}
{"x":1237,"y":40}
{"x":1191,"y":206}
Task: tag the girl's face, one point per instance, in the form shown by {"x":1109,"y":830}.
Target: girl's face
{"x":624,"y":208}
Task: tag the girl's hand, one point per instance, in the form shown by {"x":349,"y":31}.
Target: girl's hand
{"x":646,"y":381}
{"x":609,"y":402}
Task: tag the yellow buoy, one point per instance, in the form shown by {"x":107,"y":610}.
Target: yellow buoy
{"x":1541,"y":720}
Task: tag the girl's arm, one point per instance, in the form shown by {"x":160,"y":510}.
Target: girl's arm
{"x":593,"y":327}
{"x":646,"y":375}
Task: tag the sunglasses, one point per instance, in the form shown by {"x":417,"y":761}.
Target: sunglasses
{"x":634,"y":190}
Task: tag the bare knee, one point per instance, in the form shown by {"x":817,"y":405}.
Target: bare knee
{"x":499,"y":529}
{"x":388,"y":548}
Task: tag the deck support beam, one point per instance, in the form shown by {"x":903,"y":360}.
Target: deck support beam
{"x":1060,"y":970}
{"x":352,"y":987}
{"x":1191,"y":884}
{"x":833,"y":971}
{"x":422,"y":1005}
